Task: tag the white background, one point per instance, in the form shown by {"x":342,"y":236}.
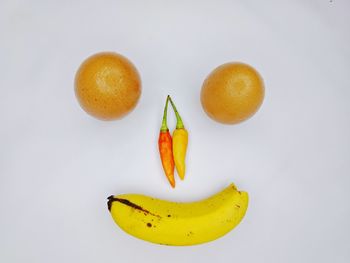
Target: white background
{"x":58,"y":165}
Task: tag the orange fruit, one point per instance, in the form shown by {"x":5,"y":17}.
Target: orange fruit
{"x":107,"y":86}
{"x":232,"y":93}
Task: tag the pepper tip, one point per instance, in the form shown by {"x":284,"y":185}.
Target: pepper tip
{"x":172,"y":183}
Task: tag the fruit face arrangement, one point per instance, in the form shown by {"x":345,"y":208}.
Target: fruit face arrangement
{"x":108,"y":86}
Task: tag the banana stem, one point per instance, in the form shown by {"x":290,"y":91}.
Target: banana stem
{"x":179,"y":123}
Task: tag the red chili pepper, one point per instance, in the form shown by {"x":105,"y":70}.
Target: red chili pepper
{"x":166,"y":148}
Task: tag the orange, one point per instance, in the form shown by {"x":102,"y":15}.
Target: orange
{"x":232,"y":93}
{"x":107,"y":86}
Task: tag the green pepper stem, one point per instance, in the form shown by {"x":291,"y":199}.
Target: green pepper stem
{"x":164,"y":127}
{"x":179,"y":123}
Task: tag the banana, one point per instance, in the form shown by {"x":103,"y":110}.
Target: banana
{"x":179,"y":224}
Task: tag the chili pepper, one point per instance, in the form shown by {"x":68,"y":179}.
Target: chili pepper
{"x":180,"y":141}
{"x":166,"y":148}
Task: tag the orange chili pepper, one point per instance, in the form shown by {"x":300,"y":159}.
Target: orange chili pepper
{"x":166,"y":148}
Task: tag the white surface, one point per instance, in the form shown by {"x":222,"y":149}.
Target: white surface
{"x":58,"y":165}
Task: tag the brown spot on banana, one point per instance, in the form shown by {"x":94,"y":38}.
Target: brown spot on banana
{"x":112,"y":199}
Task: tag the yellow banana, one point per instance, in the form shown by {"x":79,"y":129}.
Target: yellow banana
{"x":179,"y":224}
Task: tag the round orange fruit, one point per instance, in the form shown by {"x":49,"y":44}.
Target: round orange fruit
{"x":232,"y":93}
{"x":107,"y":86}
